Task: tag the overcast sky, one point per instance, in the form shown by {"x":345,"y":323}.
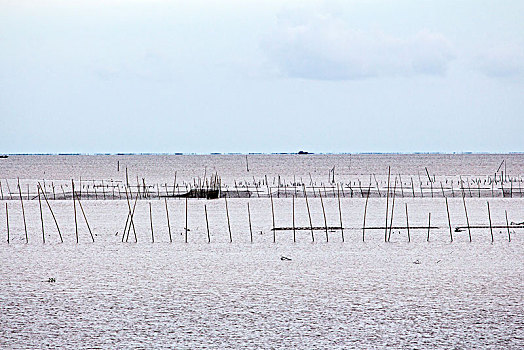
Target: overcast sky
{"x":261,"y":76}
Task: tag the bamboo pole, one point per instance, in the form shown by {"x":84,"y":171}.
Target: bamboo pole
{"x":151,"y":222}
{"x":449,"y":221}
{"x":387,"y":208}
{"x":41,"y":216}
{"x":490,"y":227}
{"x":407,"y":222}
{"x":364,"y":223}
{"x":85,"y":218}
{"x":185,"y":237}
{"x":207,"y":225}
{"x":505,"y":212}
{"x":23,"y":211}
{"x":429,"y":224}
{"x":340,"y":214}
{"x":74,"y":208}
{"x":324,"y":213}
{"x":392,"y":209}
{"x":273,"y":217}
{"x":168,"y":224}
{"x":249,"y":220}
{"x":467,"y":219}
{"x":1,"y":190}
{"x":7,"y":221}
{"x":132,"y":222}
{"x":309,"y":215}
{"x":228,"y":222}
{"x":52,"y":213}
{"x":129,"y":220}
{"x":294,"y":230}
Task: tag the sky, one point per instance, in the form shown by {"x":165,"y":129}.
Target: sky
{"x":246,"y":76}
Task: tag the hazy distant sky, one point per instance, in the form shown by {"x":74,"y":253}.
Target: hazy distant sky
{"x":261,"y":76}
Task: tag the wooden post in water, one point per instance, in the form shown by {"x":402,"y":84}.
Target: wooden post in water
{"x":309,"y":215}
{"x":207,"y":225}
{"x":293,"y":210}
{"x":74,"y":208}
{"x":228,"y":222}
{"x":364,"y":224}
{"x":85,"y":218}
{"x":429,"y":224}
{"x":392,"y":209}
{"x":324,"y":213}
{"x":132,"y":222}
{"x":273,"y":217}
{"x":41,"y":215}
{"x":490,"y":227}
{"x":467,"y":219}
{"x":505,"y":212}
{"x":449,"y":221}
{"x":407,"y":222}
{"x":52,"y":213}
{"x":249,"y":220}
{"x":185,"y":238}
{"x":7,"y":221}
{"x":129,"y":219}
{"x":168,"y":224}
{"x":151,"y":222}
{"x":340,"y":214}
{"x":23,"y":211}
{"x":387,"y":208}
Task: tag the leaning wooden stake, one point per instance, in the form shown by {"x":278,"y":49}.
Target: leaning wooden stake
{"x":449,"y":221}
{"x":505,"y":212}
{"x":429,"y":224}
{"x":364,"y":223}
{"x":207,"y":225}
{"x":7,"y":221}
{"x":249,"y":220}
{"x":392,"y":209}
{"x":74,"y":208}
{"x":467,"y":219}
{"x":324,"y":213}
{"x":151,"y":222}
{"x":407,"y":222}
{"x":168,"y":225}
{"x":52,"y":213}
{"x":23,"y":211}
{"x":41,"y":215}
{"x":309,"y":214}
{"x":132,"y":222}
{"x":228,"y":223}
{"x":490,"y":227}
{"x":85,"y":218}
{"x":340,"y":213}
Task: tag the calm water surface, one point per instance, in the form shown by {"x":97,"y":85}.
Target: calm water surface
{"x":351,"y":294}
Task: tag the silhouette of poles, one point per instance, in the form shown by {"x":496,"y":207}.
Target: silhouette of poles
{"x":23,"y":211}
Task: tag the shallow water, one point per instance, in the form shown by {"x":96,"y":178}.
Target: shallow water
{"x":351,"y":294}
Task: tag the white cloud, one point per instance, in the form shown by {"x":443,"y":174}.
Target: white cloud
{"x":503,"y":61}
{"x":326,"y":48}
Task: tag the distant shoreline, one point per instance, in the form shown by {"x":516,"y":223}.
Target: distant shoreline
{"x":256,"y":153}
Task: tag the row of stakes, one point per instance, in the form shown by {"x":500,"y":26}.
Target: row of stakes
{"x":282,"y":188}
{"x":388,"y":227}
